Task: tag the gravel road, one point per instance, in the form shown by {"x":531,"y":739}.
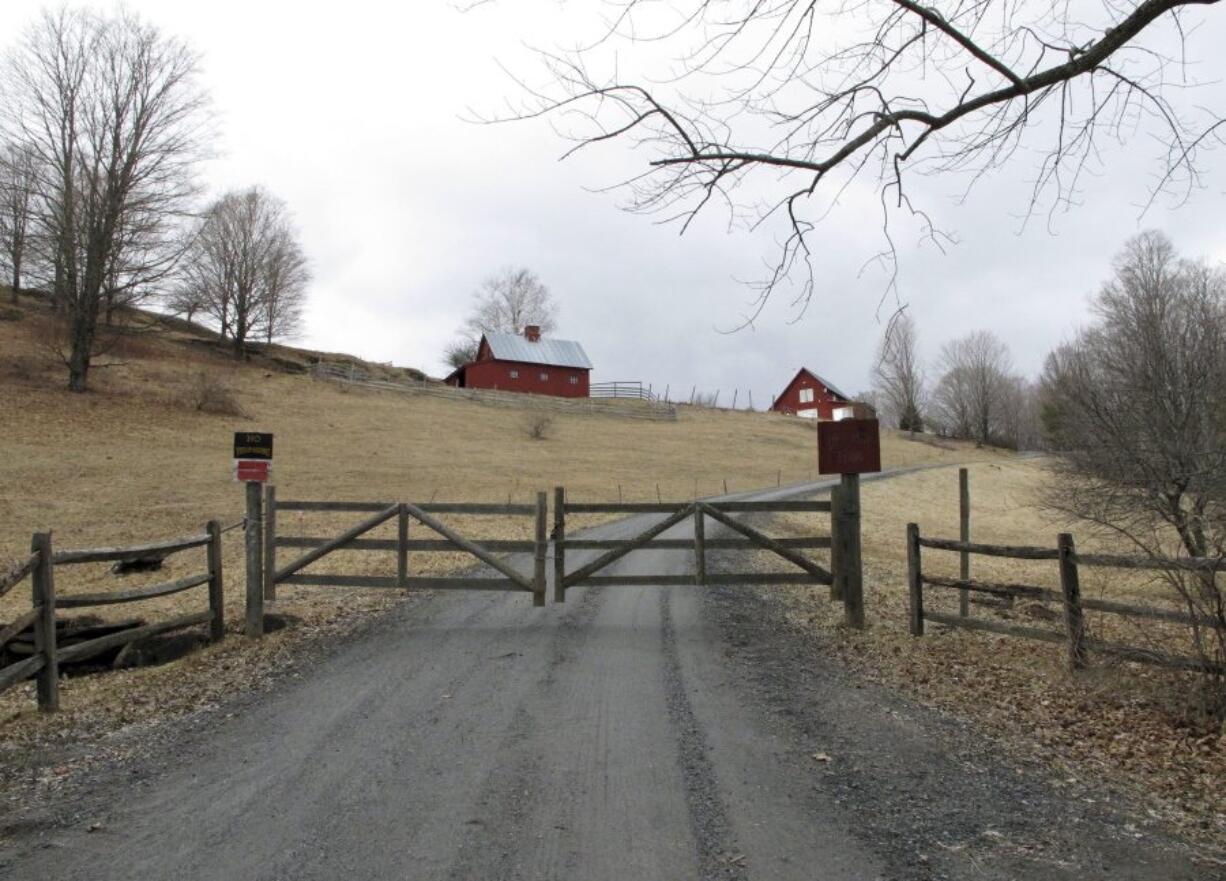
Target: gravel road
{"x":663,"y":734}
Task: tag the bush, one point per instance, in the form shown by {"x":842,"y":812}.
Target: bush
{"x":211,"y":393}
{"x":537,"y":427}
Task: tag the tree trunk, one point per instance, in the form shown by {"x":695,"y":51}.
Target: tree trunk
{"x":82,"y":350}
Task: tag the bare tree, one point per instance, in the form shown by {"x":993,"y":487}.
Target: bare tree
{"x":506,"y":302}
{"x":971,"y":394}
{"x":899,"y":375}
{"x":17,"y":190}
{"x":1135,"y":405}
{"x":244,"y":264}
{"x":805,"y":97}
{"x":110,"y":111}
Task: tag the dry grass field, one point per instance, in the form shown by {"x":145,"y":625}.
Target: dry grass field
{"x":135,"y":461}
{"x":1126,"y":723}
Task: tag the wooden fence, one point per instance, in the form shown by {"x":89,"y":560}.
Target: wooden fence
{"x":1068,"y":561}
{"x":40,"y":567}
{"x":843,"y":577}
{"x":445,"y":539}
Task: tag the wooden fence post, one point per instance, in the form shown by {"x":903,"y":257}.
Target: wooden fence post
{"x":915,"y":584}
{"x":542,"y":545}
{"x":836,"y":563}
{"x":270,"y":543}
{"x":402,"y":547}
{"x":849,"y":552}
{"x":255,"y":567}
{"x":1070,"y":585}
{"x":217,"y":624}
{"x":964,"y":534}
{"x":559,"y":544}
{"x":700,"y":548}
{"x":44,"y":627}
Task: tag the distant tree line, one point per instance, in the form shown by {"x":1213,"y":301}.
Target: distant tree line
{"x":103,"y":129}
{"x":976,"y":395}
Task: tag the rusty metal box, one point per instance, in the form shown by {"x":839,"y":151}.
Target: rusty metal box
{"x":849,"y":446}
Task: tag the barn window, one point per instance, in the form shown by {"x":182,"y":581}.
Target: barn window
{"x":514,"y":374}
{"x":806,"y":396}
{"x":544,"y":376}
{"x":574,"y":380}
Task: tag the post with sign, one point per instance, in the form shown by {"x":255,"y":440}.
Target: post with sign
{"x":253,"y":466}
{"x":849,"y":448}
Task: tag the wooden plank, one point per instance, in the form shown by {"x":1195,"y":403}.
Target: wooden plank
{"x":500,"y":545}
{"x":270,"y":543}
{"x":402,"y":545}
{"x":1070,"y":586}
{"x":629,"y":580}
{"x":626,"y":507}
{"x":102,"y":555}
{"x":333,"y":506}
{"x":14,"y":673}
{"x":1191,"y":564}
{"x":123,"y":637}
{"x":1017,"y":552}
{"x":338,"y":543}
{"x":43,"y":597}
{"x":559,"y":544}
{"x":778,"y":506}
{"x":542,"y":548}
{"x":995,"y":627}
{"x":1131,"y":611}
{"x":700,"y":548}
{"x":476,"y":550}
{"x":14,"y":576}
{"x":687,"y":544}
{"x":629,"y":545}
{"x":476,"y":508}
{"x":850,"y":554}
{"x":736,"y":507}
{"x":217,"y":588}
{"x":500,"y":584}
{"x":1000,"y":589}
{"x":964,"y":534}
{"x":767,"y":578}
{"x":836,"y":520}
{"x":915,"y":582}
{"x":78,"y":601}
{"x":19,"y":624}
{"x":766,"y":541}
{"x":254,"y":624}
{"x":324,"y":579}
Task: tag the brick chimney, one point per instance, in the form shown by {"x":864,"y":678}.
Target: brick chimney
{"x":532,"y":333}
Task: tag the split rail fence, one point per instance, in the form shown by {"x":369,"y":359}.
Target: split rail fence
{"x":1069,"y":561}
{"x":40,"y":567}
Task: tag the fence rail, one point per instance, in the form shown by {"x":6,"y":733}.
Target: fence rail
{"x":40,"y":566}
{"x":1069,"y":595}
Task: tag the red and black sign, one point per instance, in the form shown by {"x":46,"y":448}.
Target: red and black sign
{"x":849,"y":446}
{"x":252,"y":445}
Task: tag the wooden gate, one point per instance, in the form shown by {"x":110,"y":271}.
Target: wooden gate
{"x":486,"y":551}
{"x":721,"y":512}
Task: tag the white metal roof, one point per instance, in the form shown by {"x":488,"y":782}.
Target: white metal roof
{"x":546,"y":350}
{"x":829,"y":386}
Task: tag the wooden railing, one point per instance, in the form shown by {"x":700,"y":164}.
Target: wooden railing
{"x":40,"y":565}
{"x":1069,"y":596}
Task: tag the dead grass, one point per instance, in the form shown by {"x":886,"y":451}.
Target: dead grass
{"x":1124,"y":723}
{"x":127,"y":463}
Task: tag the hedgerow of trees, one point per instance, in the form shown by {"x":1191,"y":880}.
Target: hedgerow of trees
{"x":104,"y":125}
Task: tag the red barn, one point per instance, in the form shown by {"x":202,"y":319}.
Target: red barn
{"x":811,"y":396}
{"x":512,"y":363}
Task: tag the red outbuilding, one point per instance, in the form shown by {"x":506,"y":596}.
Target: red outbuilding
{"x":509,"y":362}
{"x":811,"y":396}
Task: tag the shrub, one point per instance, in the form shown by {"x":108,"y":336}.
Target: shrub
{"x":537,"y":426}
{"x":211,"y":393}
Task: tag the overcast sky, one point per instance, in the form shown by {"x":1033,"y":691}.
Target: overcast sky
{"x":353,"y":113}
